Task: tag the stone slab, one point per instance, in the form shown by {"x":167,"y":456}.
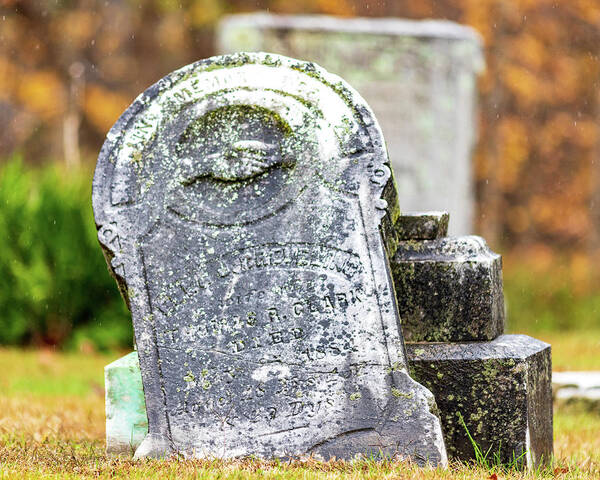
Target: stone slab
{"x":449,"y":290}
{"x":422,"y":225}
{"x":418,"y":76}
{"x":126,"y":420}
{"x":240,"y":202}
{"x":576,"y":386}
{"x":501,"y":388}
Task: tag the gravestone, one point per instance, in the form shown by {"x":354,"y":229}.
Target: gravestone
{"x":499,"y":391}
{"x":420,"y":79}
{"x":491,"y":389}
{"x":496,"y":391}
{"x":126,"y":420}
{"x":240,"y":203}
{"x":449,"y":289}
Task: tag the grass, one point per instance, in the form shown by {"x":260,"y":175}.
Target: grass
{"x":555,"y":299}
{"x":52,"y":426}
{"x":573,"y":350}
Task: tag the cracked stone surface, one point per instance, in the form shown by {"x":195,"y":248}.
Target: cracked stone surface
{"x":449,"y":290}
{"x":502,"y":389}
{"x":242,"y":204}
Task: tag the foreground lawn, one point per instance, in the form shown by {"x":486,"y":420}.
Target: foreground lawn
{"x":52,"y":426}
{"x":575,"y":350}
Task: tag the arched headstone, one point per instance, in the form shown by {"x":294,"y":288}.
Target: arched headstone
{"x":241,"y":202}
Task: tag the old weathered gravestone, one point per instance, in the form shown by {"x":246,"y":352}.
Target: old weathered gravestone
{"x":449,"y":289}
{"x":420,"y":79}
{"x":126,"y":420}
{"x":491,"y":389}
{"x":240,"y":202}
{"x":499,"y":391}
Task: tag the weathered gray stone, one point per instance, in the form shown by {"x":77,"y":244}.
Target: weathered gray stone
{"x":449,"y":289}
{"x":240,"y":203}
{"x":422,"y":225}
{"x":501,"y":388}
{"x":418,"y":76}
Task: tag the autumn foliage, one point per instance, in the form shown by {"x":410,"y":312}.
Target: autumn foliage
{"x":67,"y":70}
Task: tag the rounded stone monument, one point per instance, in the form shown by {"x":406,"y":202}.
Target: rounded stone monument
{"x":240,"y":202}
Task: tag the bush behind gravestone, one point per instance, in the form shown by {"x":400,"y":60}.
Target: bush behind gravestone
{"x":55,"y":288}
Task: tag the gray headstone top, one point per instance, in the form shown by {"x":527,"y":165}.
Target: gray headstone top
{"x":240,"y":203}
{"x":505,"y":346}
{"x":379,"y":26}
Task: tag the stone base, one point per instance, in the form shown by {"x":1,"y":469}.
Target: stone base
{"x":126,"y":421}
{"x":501,"y":388}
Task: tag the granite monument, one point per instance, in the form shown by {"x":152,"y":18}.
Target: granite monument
{"x":491,"y":388}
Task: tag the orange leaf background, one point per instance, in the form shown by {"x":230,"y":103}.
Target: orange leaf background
{"x":537,"y":165}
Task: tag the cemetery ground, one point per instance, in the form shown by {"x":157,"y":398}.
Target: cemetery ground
{"x":52,"y":426}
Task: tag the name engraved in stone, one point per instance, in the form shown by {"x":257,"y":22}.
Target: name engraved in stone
{"x":302,"y":256}
{"x":299,"y":255}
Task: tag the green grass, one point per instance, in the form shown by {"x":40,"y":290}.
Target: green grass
{"x":573,"y":350}
{"x":47,"y":373}
{"x":557,"y":295}
{"x":557,"y":301}
{"x":52,"y":426}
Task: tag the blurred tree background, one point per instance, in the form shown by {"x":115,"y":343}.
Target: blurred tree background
{"x":68,"y":68}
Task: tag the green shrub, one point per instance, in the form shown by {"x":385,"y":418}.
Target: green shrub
{"x":55,"y":287}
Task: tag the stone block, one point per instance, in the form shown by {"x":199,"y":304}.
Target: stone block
{"x":502,"y":390}
{"x":449,"y":290}
{"x":422,"y":225}
{"x":419,"y":77}
{"x":126,"y":421}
